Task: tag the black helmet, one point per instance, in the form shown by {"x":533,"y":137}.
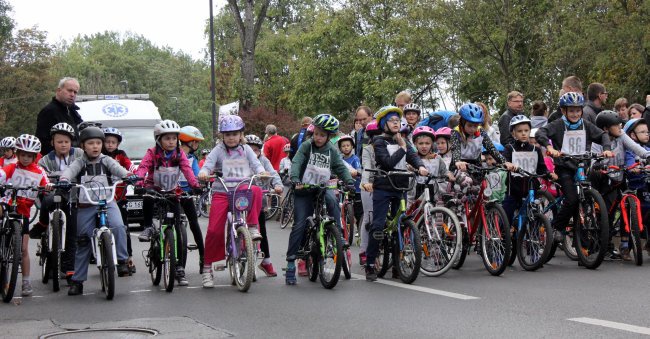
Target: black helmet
{"x":607,"y":118}
{"x":91,"y":132}
{"x":86,"y":124}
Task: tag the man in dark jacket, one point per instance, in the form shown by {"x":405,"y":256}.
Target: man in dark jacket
{"x":515,"y":107}
{"x":596,"y":99}
{"x":62,"y":108}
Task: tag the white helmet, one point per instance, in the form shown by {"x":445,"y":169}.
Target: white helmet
{"x":8,"y":142}
{"x":519,"y":119}
{"x":28,"y":143}
{"x":252,"y":139}
{"x":164,"y":127}
{"x":64,"y":128}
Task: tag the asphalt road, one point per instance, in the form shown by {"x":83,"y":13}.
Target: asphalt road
{"x":560,"y":300}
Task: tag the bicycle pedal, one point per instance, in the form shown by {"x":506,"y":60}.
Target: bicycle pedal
{"x":192,"y":247}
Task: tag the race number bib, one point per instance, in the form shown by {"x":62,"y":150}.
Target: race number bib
{"x":236,"y":169}
{"x":166,"y":177}
{"x":471,"y":150}
{"x":23,"y":178}
{"x":97,"y":188}
{"x":315,"y":175}
{"x":574,"y":142}
{"x":494,"y":181}
{"x":401,"y":165}
{"x":526,"y":161}
{"x":432,"y":165}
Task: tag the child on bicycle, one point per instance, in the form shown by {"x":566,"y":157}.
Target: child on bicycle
{"x":572,"y":136}
{"x":161,"y":167}
{"x":496,"y":179}
{"x":546,"y":184}
{"x":315,"y":161}
{"x":94,"y":170}
{"x":637,"y":129}
{"x":8,"y":148}
{"x":424,"y":137}
{"x":392,"y":152}
{"x":113,"y":139}
{"x":54,"y":163}
{"x":368,"y":162}
{"x":285,"y":163}
{"x":233,"y":159}
{"x":346,"y":147}
{"x":190,"y":138}
{"x":527,"y":157}
{"x":443,"y":135}
{"x":25,"y":173}
{"x":256,"y":144}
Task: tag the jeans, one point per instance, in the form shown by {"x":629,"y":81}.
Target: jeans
{"x":381,"y":200}
{"x":570,"y":203}
{"x":303,"y":207}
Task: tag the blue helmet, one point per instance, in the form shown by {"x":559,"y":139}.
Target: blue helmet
{"x":497,"y":145}
{"x":471,"y":113}
{"x":572,"y":99}
{"x":631,"y":125}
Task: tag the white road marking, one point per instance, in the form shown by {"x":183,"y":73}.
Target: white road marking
{"x":613,"y":324}
{"x":140,"y":291}
{"x":91,"y":293}
{"x":420,"y":288}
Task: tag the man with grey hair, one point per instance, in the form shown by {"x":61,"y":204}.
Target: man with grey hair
{"x":273,"y":146}
{"x":62,"y":108}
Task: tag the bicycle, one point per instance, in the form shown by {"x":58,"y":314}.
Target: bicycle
{"x":286,"y":211}
{"x":203,"y":204}
{"x":533,"y":231}
{"x":347,"y":227}
{"x":11,"y":241}
{"x":52,"y":243}
{"x":440,"y":230}
{"x":322,"y":241}
{"x":401,"y":238}
{"x":477,"y":214}
{"x":273,"y":204}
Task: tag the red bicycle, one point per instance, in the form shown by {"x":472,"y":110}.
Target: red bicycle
{"x":347,"y":225}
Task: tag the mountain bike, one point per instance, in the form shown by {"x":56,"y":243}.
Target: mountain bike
{"x":273,"y":204}
{"x":347,"y":227}
{"x":52,"y":243}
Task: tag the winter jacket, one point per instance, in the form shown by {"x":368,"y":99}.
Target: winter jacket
{"x":52,"y":114}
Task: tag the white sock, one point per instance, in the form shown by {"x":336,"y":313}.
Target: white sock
{"x":266,"y":261}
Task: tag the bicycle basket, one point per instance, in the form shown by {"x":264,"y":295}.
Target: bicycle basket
{"x":240,"y":200}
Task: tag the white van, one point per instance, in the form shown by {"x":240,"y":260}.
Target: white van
{"x":135,"y":116}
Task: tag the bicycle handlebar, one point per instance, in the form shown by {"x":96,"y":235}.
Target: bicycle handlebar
{"x":389,"y":174}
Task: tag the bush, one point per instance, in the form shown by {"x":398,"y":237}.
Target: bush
{"x":259,"y":117}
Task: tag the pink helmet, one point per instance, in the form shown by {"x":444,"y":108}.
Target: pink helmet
{"x":443,"y":132}
{"x":424,"y":131}
{"x":372,"y":128}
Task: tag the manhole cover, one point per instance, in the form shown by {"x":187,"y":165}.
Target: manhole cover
{"x":126,"y":333}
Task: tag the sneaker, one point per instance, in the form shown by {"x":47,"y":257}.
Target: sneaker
{"x":131,"y":265}
{"x":76,"y":288}
{"x":302,"y":268}
{"x":208,"y":279}
{"x":37,"y":230}
{"x":558,"y":237}
{"x":371,"y":273}
{"x":625,"y":254}
{"x":348,"y":256}
{"x":68,"y":277}
{"x":146,"y":234}
{"x":27,"y":289}
{"x":255,"y":233}
{"x":122,"y":269}
{"x":180,"y":276}
{"x":267,"y":269}
{"x":290,"y":276}
{"x":92,"y":259}
{"x":362,"y":258}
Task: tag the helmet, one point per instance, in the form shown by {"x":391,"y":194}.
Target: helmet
{"x":113,"y":132}
{"x":344,"y":138}
{"x":572,"y":99}
{"x":286,"y":148}
{"x":164,"y":127}
{"x":8,"y":142}
{"x":519,"y":119}
{"x":91,"y":132}
{"x":310,"y":128}
{"x":384,"y":111}
{"x":252,"y":139}
{"x":411,"y":107}
{"x":628,"y":128}
{"x":422,"y":131}
{"x":472,"y":113}
{"x":607,"y":118}
{"x":190,"y":133}
{"x":62,"y":128}
{"x":327,"y":122}
{"x":205,"y":151}
{"x":231,"y":123}
{"x":372,"y":129}
{"x":404,"y":126}
{"x":85,"y":124}
{"x":443,"y":132}
{"x":28,"y":143}
{"x":533,"y":132}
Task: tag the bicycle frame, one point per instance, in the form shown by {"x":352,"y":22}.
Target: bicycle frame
{"x":622,"y":196}
{"x":319,"y":221}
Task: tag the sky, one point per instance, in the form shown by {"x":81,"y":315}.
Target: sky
{"x":177,"y":24}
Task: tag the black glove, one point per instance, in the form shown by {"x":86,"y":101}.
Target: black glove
{"x":64,"y":184}
{"x":197,"y":191}
{"x":350,"y":188}
{"x":139,"y":190}
{"x":133,"y":178}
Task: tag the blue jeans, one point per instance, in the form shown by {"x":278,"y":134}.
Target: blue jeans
{"x":380,"y":203}
{"x":303,"y":207}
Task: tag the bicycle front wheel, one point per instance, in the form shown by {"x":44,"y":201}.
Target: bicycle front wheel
{"x":242,"y":267}
{"x":107,"y":269}
{"x":592,"y":229}
{"x":287,"y":210}
{"x":329,"y":265}
{"x":12,"y":256}
{"x":442,"y":249}
{"x":384,"y":259}
{"x":54,"y":256}
{"x":274,"y":206}
{"x":205,"y":202}
{"x":495,"y":239}
{"x":633,"y":212}
{"x":169,"y":260}
{"x":534,"y":242}
{"x":409,"y":252}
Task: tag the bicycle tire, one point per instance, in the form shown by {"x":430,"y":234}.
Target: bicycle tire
{"x":384,"y":259}
{"x":54,"y":256}
{"x":546,"y":199}
{"x":37,"y":206}
{"x":591,"y":240}
{"x":495,"y":253}
{"x":43,"y":259}
{"x":242,"y":268}
{"x":329,"y":265}
{"x":205,"y":201}
{"x":310,"y":266}
{"x":9,"y":270}
{"x":534,"y":242}
{"x":346,"y":265}
{"x":155,"y":262}
{"x":274,"y":206}
{"x":287,"y":210}
{"x":349,"y":223}
{"x":410,"y":253}
{"x":633,"y":211}
{"x":169,"y":260}
{"x":441,"y":252}
{"x":464,"y":249}
{"x":107,"y":270}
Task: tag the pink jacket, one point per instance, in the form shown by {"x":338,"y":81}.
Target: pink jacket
{"x":155,"y":157}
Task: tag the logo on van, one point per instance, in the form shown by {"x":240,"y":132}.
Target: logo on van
{"x":115,"y":110}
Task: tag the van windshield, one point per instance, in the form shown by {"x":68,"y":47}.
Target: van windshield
{"x":136,"y":141}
